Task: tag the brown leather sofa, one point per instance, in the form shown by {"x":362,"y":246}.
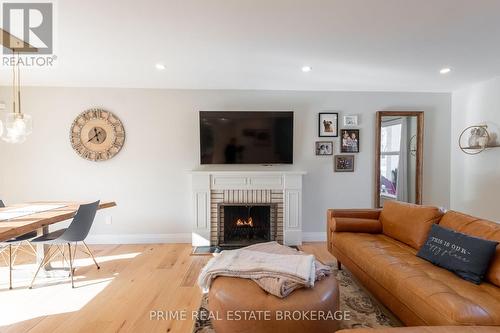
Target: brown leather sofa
{"x":379,"y":247}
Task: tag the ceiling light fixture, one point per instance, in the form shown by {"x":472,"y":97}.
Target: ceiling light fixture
{"x":18,"y":125}
{"x":2,"y":108}
{"x":160,"y":67}
{"x":306,"y":69}
{"x":445,"y":70}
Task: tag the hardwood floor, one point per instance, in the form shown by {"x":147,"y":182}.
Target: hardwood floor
{"x":133,"y":281}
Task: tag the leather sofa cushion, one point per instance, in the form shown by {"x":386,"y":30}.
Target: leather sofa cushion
{"x":473,"y":226}
{"x":426,"y":329}
{"x":436,"y":295}
{"x":408,"y":223}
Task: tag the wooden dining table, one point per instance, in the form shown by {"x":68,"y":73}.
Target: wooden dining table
{"x":39,"y":221}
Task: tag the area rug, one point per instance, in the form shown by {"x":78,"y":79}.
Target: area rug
{"x":364,"y":310}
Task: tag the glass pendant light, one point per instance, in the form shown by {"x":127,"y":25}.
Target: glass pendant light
{"x":18,"y":126}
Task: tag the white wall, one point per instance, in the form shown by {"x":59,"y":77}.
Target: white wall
{"x":149,"y":178}
{"x":475,"y":180}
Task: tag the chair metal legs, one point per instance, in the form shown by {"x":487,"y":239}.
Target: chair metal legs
{"x":46,"y":259}
{"x":12,"y":255}
{"x":10,"y":266}
{"x":32,"y":248}
{"x":64,"y":260}
{"x":72,"y":255}
{"x":71,"y":265}
{"x":90,"y":254}
{"x":2,"y":250}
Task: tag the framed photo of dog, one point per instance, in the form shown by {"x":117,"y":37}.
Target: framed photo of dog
{"x":328,"y":124}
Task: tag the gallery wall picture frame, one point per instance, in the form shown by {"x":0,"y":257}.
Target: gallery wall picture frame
{"x":343,"y":163}
{"x":328,"y":124}
{"x":351,"y":120}
{"x":324,"y":148}
{"x":349,"y":140}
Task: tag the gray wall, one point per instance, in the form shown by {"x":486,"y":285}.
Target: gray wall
{"x":149,"y":179}
{"x":475,"y":180}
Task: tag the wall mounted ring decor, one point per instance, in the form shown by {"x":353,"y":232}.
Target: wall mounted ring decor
{"x":476,"y":139}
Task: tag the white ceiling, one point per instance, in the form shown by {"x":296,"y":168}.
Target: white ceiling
{"x":372,"y":45}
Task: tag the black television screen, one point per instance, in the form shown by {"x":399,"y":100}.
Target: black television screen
{"x":237,"y":137}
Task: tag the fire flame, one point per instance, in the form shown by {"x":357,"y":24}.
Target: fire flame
{"x":242,"y":222}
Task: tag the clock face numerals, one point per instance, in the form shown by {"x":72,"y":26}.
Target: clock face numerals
{"x":97,"y":135}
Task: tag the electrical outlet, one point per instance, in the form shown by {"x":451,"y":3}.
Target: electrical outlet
{"x":109,"y":220}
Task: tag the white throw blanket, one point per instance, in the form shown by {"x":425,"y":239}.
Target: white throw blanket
{"x":276,"y":268}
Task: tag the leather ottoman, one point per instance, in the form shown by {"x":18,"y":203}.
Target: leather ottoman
{"x":241,"y":306}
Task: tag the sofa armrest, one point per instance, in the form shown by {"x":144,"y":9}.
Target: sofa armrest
{"x":352,"y":220}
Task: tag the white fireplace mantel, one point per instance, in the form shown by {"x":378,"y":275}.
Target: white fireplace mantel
{"x":289,"y":182}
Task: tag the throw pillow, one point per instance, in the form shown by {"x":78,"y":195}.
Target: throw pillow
{"x":466,"y":256}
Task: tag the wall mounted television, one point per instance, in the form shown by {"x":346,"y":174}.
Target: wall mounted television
{"x":246,"y":137}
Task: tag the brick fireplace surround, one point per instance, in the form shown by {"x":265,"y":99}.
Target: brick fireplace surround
{"x":245,"y":197}
{"x":212,"y":188}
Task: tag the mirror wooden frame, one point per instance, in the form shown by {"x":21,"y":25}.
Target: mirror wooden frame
{"x":419,"y":153}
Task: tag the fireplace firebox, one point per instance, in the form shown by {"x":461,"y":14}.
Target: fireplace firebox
{"x":246,"y":224}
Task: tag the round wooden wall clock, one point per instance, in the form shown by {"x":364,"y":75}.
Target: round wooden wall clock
{"x":97,"y":135}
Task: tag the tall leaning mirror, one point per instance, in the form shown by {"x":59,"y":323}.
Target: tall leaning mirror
{"x":399,"y":156}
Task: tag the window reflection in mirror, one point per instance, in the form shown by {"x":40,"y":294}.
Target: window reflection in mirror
{"x":397,"y":158}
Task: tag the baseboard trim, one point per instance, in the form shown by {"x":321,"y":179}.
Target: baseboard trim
{"x":314,"y":236}
{"x":139,"y":238}
{"x":172,"y":238}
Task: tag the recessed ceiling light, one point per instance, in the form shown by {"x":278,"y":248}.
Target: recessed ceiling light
{"x":306,"y":69}
{"x":160,"y":67}
{"x":445,"y":70}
